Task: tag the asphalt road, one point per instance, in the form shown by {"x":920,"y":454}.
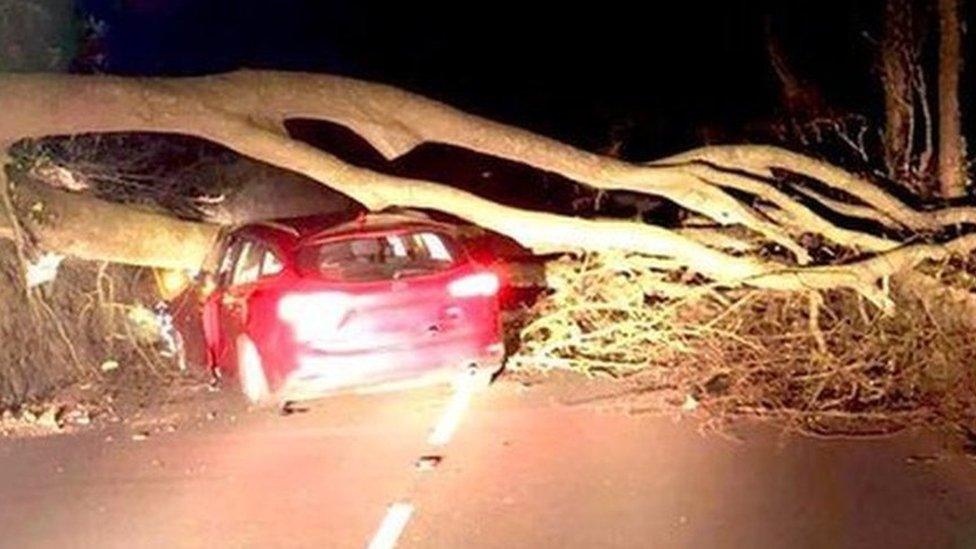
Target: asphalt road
{"x":523,"y":469}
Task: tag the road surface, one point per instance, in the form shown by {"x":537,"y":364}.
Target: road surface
{"x":524,"y":468}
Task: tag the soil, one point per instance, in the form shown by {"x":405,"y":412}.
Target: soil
{"x":83,"y":346}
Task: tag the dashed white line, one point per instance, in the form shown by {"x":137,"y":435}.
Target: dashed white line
{"x":448,"y":423}
{"x":397,"y":516}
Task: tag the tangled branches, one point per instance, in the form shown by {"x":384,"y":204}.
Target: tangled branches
{"x":173,"y":173}
{"x":826,"y":363}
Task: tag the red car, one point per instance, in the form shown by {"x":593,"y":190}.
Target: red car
{"x":302,"y":307}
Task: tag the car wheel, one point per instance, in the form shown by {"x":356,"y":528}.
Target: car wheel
{"x":250,"y":371}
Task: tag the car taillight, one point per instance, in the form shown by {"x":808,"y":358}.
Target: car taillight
{"x":480,"y":284}
{"x":313,"y":314}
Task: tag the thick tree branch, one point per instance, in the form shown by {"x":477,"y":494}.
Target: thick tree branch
{"x":761,"y":160}
{"x":89,"y":228}
{"x":245,"y":111}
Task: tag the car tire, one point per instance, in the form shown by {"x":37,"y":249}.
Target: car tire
{"x":250,"y":372}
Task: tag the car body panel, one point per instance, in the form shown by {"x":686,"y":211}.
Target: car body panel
{"x":317,"y":335}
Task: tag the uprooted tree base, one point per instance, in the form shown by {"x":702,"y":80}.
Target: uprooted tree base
{"x":92,"y":324}
{"x":822,"y":363}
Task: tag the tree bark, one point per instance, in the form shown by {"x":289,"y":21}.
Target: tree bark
{"x":952,"y":148}
{"x":897,"y":76}
{"x":93,"y":229}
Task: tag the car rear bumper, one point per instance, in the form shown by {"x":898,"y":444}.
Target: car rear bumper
{"x":319,"y":373}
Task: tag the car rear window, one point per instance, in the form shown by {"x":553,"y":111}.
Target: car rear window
{"x":380,"y":257}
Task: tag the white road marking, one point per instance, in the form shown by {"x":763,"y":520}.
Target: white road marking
{"x":397,"y":516}
{"x":448,"y":423}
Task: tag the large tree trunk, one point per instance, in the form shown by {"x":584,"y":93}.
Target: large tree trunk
{"x":952,"y":148}
{"x":245,"y":111}
{"x":89,"y":228}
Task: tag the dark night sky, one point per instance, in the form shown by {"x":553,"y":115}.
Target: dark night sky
{"x":569,"y":72}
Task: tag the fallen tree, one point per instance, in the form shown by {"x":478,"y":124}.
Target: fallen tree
{"x":769,"y":232}
{"x":92,"y":229}
{"x":825,"y":363}
{"x":760,"y":190}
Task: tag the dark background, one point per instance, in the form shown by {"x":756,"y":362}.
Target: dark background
{"x":655,"y":76}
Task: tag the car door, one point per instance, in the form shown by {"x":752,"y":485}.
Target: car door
{"x":213,"y":326}
{"x":234,"y":299}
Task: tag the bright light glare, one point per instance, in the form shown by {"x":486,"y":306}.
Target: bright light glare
{"x":435,"y":247}
{"x":481,"y":284}
{"x":171,"y":282}
{"x":314,"y":314}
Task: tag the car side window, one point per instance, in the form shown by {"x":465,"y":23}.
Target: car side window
{"x":227,"y":263}
{"x":270,"y":264}
{"x":248,"y":264}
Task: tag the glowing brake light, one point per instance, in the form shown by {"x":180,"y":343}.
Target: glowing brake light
{"x":480,"y":284}
{"x":313,"y":315}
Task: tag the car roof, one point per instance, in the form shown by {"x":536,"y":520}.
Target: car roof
{"x":316,"y":228}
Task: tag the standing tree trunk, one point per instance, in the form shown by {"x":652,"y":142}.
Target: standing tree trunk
{"x":897,"y":77}
{"x":952,"y":147}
